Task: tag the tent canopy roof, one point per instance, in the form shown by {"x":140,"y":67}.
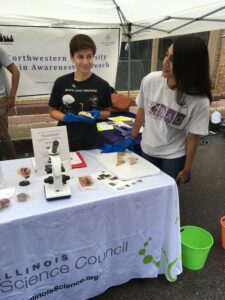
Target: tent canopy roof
{"x":162,"y":18}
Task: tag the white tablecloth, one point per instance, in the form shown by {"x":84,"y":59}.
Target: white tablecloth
{"x":78,"y":247}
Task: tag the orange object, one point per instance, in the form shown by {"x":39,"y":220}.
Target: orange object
{"x":222,"y":221}
{"x":24,"y":172}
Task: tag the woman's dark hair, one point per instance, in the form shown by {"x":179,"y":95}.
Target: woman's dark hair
{"x":82,"y":42}
{"x":191,"y":67}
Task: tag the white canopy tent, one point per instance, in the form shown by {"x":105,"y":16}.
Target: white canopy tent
{"x":140,"y":20}
{"x":145,"y":19}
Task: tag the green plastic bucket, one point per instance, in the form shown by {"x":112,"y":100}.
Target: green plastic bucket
{"x":196,"y":244}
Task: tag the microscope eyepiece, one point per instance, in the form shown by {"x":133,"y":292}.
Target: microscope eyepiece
{"x":55,"y":146}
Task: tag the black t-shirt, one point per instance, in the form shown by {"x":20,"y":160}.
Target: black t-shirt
{"x":93,"y":93}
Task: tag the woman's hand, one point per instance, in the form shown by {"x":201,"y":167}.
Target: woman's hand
{"x":183,"y":177}
{"x":191,"y":145}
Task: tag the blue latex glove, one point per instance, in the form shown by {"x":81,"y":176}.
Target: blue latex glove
{"x":128,"y":144}
{"x":107,"y":148}
{"x":70,"y":118}
{"x":95,"y":113}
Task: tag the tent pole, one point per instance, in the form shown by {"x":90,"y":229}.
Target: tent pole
{"x":129,"y":58}
{"x":129,"y":63}
{"x":127,"y":26}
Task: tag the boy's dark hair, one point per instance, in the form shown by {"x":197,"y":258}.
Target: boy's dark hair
{"x":191,"y":67}
{"x":82,"y":42}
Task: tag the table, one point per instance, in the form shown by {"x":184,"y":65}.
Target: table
{"x":76,"y":248}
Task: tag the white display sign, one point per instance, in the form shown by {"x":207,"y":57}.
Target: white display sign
{"x":42,"y":54}
{"x":42,"y":139}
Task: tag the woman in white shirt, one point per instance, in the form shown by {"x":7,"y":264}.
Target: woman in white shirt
{"x":173,"y":105}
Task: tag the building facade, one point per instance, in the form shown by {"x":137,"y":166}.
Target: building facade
{"x":147,"y":56}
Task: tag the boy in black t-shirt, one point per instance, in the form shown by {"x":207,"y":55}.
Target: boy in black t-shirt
{"x":80,"y":91}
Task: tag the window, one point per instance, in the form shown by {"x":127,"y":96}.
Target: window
{"x":139,"y":65}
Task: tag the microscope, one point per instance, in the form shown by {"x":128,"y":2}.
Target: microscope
{"x":56,"y":185}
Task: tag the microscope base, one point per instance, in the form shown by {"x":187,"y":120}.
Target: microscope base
{"x":51,"y":194}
